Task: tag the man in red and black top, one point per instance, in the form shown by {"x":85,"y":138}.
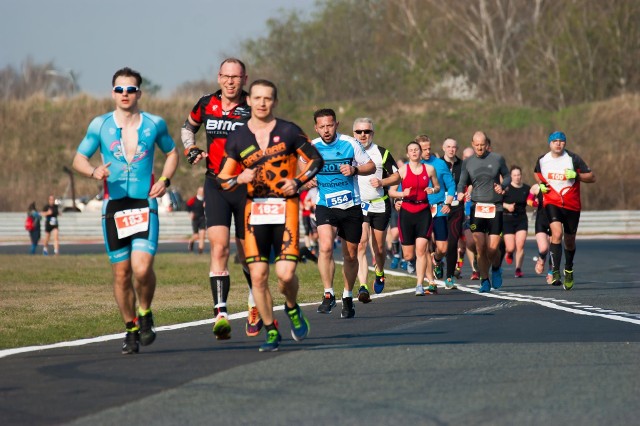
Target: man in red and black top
{"x":221,"y":113}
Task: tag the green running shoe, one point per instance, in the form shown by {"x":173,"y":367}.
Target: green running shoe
{"x":299,"y":324}
{"x":222,"y":328}
{"x":568,"y":280}
{"x":272,"y":342}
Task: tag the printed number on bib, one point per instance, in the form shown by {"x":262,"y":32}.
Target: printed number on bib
{"x":365,"y":207}
{"x":131,"y":221}
{"x":485,"y":210}
{"x":340,"y":199}
{"x":267,"y":211}
{"x":559,"y":176}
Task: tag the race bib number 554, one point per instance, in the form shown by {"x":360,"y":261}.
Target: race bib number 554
{"x":131,"y":221}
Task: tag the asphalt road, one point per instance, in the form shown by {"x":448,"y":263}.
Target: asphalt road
{"x":528,"y":354}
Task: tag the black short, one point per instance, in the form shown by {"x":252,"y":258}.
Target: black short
{"x":542,"y":222}
{"x":221,"y":205}
{"x":378,"y":221}
{"x":569,"y":218}
{"x":491,"y":226}
{"x":199,"y":224}
{"x":348,"y":221}
{"x":309,"y":224}
{"x":414,"y":225}
{"x":514,"y":223}
{"x":393,"y":220}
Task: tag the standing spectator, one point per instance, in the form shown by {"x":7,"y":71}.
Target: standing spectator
{"x":51,"y":213}
{"x":559,"y":173}
{"x":515,"y":223}
{"x":195,"y":207}
{"x":126,"y":139}
{"x":32,"y":225}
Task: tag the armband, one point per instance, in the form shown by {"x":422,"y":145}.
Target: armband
{"x":531,"y":200}
{"x":192,"y":153}
{"x":166,"y":180}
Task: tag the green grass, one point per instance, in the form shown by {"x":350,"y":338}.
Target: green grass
{"x":54,"y":299}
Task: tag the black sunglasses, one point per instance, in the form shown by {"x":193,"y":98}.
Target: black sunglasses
{"x":366,"y":132}
{"x":128,"y":89}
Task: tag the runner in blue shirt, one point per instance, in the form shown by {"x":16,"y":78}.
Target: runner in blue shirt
{"x":126,"y":139}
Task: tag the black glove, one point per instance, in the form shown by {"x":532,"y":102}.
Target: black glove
{"x":192,"y":153}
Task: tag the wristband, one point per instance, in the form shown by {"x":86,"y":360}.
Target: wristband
{"x":298,"y":183}
{"x":93,"y":171}
{"x":355,"y":170}
{"x":166,"y":180}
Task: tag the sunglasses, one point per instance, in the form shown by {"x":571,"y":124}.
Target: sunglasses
{"x":128,"y":89}
{"x":366,"y":131}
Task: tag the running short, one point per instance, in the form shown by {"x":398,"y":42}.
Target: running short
{"x":514,"y":223}
{"x":283,"y":238}
{"x":413,"y":226}
{"x":378,"y":221}
{"x":393,"y":220}
{"x":309,"y":224}
{"x":347,"y":221}
{"x":491,"y":226}
{"x":221,"y":205}
{"x":439,"y":228}
{"x":542,"y":222}
{"x":199,"y":224}
{"x":569,"y":218}
{"x":119,"y":249}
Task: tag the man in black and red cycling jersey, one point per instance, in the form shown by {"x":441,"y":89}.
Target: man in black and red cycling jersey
{"x":221,"y":113}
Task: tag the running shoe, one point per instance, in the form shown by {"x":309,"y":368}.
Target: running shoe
{"x":539,"y":268}
{"x":485,"y":286}
{"x":254,"y":322}
{"x":147,"y":329}
{"x":130,"y":344}
{"x":348,"y":311}
{"x":553,"y":278}
{"x":272,"y":342}
{"x":509,"y":258}
{"x":395,"y":262}
{"x":460,"y":263}
{"x":519,"y":273}
{"x":419,"y":290}
{"x":475,"y":276}
{"x":568,"y":280}
{"x":450,"y":284}
{"x":190,"y":246}
{"x":299,"y":324}
{"x":328,"y":302}
{"x":45,"y":252}
{"x":378,"y":284}
{"x":403,"y":265}
{"x":457,"y":273}
{"x":437,"y":267}
{"x":411,"y":267}
{"x":222,"y":327}
{"x":496,"y":278}
{"x":432,"y":288}
{"x":363,"y":294}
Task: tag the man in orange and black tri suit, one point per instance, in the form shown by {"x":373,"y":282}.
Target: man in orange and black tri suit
{"x":266,"y":151}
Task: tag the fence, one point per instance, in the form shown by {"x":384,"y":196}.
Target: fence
{"x":177,"y":225}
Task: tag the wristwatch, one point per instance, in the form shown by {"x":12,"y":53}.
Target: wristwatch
{"x":166,"y":180}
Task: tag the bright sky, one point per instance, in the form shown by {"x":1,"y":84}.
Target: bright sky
{"x":168,"y":41}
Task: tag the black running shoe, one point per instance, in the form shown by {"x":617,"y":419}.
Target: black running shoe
{"x":130,"y":344}
{"x":348,"y":311}
{"x":328,"y":302}
{"x":147,"y":330}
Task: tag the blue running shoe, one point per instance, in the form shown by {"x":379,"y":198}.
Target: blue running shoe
{"x":496,"y":278}
{"x":403,"y":265}
{"x":299,"y":324}
{"x":378,"y":284}
{"x":395,"y":262}
{"x":272,"y":342}
{"x":485,"y":286}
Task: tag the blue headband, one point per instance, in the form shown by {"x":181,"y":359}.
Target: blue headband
{"x":557,"y":136}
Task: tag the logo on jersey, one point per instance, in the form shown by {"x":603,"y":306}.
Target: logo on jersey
{"x":332,"y":167}
{"x":221,"y":126}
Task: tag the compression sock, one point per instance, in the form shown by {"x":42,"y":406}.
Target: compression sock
{"x":220,"y":285}
{"x":556,"y":256}
{"x":247,"y":275}
{"x":568,"y":265}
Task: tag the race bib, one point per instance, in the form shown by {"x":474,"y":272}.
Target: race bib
{"x":341,"y":199}
{"x":434,"y":210}
{"x":558,"y":176}
{"x":131,"y":221}
{"x":485,"y":210}
{"x":53,"y":221}
{"x":365,"y":208}
{"x":267,"y":211}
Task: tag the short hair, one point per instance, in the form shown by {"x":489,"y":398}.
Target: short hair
{"x":515,"y":167}
{"x":324,"y":112}
{"x":449,"y":139}
{"x":422,"y":138}
{"x":127,"y":72}
{"x":413,"y":142}
{"x":265,"y":83}
{"x":235,"y":61}
{"x":365,"y":120}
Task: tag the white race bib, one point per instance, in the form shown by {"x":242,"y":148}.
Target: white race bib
{"x":365,"y":208}
{"x":434,"y":210}
{"x":485,"y":210}
{"x":341,"y":199}
{"x":267,"y":211}
{"x":131,"y":221}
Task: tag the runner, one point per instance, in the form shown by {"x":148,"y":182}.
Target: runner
{"x":266,"y":151}
{"x":559,"y":173}
{"x":418,"y":181}
{"x":195,"y":207}
{"x":126,"y":139}
{"x":455,"y":218}
{"x":483,"y":171}
{"x":515,"y":222}
{"x":376,"y":209}
{"x":338,"y":208}
{"x":222,"y":112}
{"x":50,"y":213}
{"x":542,"y":231}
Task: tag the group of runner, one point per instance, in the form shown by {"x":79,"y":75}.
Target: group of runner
{"x":256,"y":166}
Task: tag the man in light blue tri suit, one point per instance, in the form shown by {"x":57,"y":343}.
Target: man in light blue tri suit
{"x":126,"y":139}
{"x":338,"y":208}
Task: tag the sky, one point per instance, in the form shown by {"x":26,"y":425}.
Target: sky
{"x":168,"y":41}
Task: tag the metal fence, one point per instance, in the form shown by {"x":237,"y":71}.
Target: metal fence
{"x":177,"y":225}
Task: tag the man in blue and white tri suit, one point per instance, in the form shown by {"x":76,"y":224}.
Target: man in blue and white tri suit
{"x":126,"y":138}
{"x":338,"y":206}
